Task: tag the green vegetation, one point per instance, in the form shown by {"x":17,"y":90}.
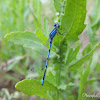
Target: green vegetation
{"x":74,"y":64}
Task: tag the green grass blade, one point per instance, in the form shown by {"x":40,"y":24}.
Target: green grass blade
{"x":46,"y":27}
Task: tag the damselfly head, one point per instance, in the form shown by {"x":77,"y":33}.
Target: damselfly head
{"x":56,"y":25}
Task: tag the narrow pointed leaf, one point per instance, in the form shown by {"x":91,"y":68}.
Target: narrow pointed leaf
{"x":41,"y":36}
{"x":82,"y":60}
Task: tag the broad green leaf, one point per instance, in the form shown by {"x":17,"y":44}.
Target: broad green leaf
{"x":78,"y":64}
{"x":27,"y":39}
{"x":51,"y":78}
{"x":34,"y":87}
{"x":72,"y":22}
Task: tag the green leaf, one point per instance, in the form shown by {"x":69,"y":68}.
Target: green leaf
{"x":72,"y":22}
{"x":82,"y":60}
{"x":44,"y":39}
{"x":30,"y":40}
{"x":58,"y":5}
{"x":95,"y":15}
{"x":86,"y":50}
{"x":72,"y":54}
{"x":27,"y":39}
{"x":94,"y":61}
{"x":38,"y":9}
{"x":93,"y":80}
{"x":83,"y":81}
{"x":41,"y":36}
{"x":34,"y":87}
{"x":36,"y":21}
{"x":46,"y":27}
{"x":92,"y":35}
{"x":10,"y":77}
{"x":62,"y":86}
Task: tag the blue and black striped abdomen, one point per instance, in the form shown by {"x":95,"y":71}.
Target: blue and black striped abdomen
{"x":53,"y":33}
{"x":51,"y":36}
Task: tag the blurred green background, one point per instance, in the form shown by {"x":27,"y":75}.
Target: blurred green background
{"x":16,"y":60}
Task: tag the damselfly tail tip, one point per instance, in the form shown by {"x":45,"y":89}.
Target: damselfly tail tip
{"x":42,"y":82}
